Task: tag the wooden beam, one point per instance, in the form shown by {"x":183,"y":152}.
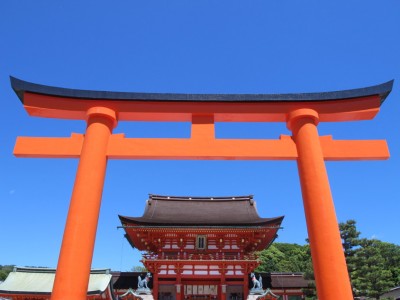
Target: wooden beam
{"x":120,"y":147}
{"x":49,"y":147}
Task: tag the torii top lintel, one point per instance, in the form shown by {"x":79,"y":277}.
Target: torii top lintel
{"x":345,"y":105}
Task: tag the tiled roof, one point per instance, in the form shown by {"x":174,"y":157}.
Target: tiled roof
{"x":40,"y":281}
{"x":172,"y":210}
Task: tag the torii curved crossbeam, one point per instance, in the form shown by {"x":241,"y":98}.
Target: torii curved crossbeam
{"x":55,"y":102}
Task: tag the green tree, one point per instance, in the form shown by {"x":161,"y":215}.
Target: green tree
{"x":350,"y":237}
{"x":139,"y":269}
{"x":351,"y":242}
{"x":374,"y":266}
{"x":4,"y":271}
{"x":391,"y":254}
{"x":270,"y":259}
{"x":371,"y":276}
{"x":284,"y":257}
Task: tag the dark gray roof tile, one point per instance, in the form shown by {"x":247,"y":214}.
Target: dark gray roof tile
{"x":168,"y":210}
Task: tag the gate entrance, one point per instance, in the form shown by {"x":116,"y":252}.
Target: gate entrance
{"x":201,"y":291}
{"x":103,"y":110}
{"x":202,"y":297}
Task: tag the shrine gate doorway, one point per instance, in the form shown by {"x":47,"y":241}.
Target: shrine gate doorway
{"x":301,"y":112}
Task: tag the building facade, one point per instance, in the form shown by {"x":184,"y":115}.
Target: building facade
{"x":200,"y":247}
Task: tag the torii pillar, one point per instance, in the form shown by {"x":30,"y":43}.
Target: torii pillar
{"x":80,"y":230}
{"x":102,"y":110}
{"x":325,"y":241}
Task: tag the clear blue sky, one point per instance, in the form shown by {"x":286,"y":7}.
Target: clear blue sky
{"x":196,"y":47}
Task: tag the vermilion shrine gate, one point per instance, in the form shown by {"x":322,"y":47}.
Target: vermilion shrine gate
{"x":103,"y":110}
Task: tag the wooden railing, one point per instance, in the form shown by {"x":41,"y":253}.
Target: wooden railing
{"x":196,"y":256}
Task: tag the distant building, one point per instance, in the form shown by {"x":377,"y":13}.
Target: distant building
{"x":200,"y":247}
{"x":394,"y":293}
{"x":37,"y":284}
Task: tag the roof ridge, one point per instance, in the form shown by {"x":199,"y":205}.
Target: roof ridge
{"x":204,"y":198}
{"x":53,"y":270}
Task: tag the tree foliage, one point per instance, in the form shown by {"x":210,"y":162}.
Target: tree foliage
{"x":4,"y":271}
{"x":373,"y":265}
{"x":139,"y":269}
{"x":350,"y":237}
{"x":284,"y":257}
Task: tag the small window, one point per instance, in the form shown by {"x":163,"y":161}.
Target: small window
{"x":201,"y":242}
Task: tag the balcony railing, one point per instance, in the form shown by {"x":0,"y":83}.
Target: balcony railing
{"x":197,"y":256}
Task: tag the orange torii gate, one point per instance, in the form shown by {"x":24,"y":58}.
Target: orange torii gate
{"x":103,"y":110}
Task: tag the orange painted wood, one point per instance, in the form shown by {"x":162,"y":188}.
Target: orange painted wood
{"x":120,"y":147}
{"x":339,"y":150}
{"x":74,"y":264}
{"x":40,"y":105}
{"x":201,"y":149}
{"x":41,"y":147}
{"x":332,"y":279}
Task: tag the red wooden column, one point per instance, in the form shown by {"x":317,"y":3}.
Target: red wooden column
{"x":155,"y":286}
{"x":179,"y":286}
{"x":179,"y":290}
{"x":74,"y":264}
{"x":222,"y":286}
{"x":245,"y":283}
{"x":332,"y":279}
